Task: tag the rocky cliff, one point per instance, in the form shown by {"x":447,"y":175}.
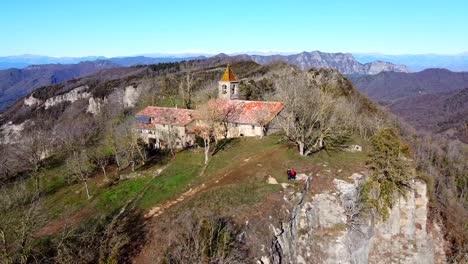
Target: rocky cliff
{"x":327,"y":228}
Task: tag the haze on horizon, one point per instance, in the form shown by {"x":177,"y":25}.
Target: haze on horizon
{"x":124,"y":28}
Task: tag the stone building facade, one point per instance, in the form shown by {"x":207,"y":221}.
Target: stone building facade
{"x":162,"y":127}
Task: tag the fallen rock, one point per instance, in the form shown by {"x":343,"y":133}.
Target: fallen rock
{"x":356,"y":177}
{"x":301,"y":177}
{"x":271,"y":180}
{"x":354,"y":148}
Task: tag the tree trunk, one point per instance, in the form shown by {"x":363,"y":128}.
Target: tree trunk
{"x":117,"y":160}
{"x":104,"y":171}
{"x":87,"y":190}
{"x":207,"y":150}
{"x":301,"y":148}
{"x":264,"y":131}
{"x":36,"y":180}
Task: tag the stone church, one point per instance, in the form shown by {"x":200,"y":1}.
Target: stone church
{"x":160,"y":127}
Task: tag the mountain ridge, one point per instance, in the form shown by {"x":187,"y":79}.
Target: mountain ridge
{"x":16,"y":83}
{"x":434,"y":100}
{"x":15,"y":87}
{"x":304,"y":59}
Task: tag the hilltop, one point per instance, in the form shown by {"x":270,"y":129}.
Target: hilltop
{"x":152,"y":205}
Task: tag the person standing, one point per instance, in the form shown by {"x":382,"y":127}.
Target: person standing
{"x":293,"y":174}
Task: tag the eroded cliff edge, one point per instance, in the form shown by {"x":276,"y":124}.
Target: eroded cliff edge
{"x":327,"y":228}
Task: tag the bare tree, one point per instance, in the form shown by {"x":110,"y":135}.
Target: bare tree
{"x":80,"y":167}
{"x":17,"y":233}
{"x":110,"y":142}
{"x":11,"y":160}
{"x":208,"y":120}
{"x":225,"y":111}
{"x":205,"y":132}
{"x":134,"y":146}
{"x":171,"y":137}
{"x":35,"y":149}
{"x":263,"y":118}
{"x":311,"y":119}
{"x":207,"y":91}
{"x":101,"y":157}
{"x":186,"y":89}
{"x":124,"y":144}
{"x":206,"y":239}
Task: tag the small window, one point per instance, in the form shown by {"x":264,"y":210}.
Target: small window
{"x":253,"y":127}
{"x":232,"y":89}
{"x":224,"y":89}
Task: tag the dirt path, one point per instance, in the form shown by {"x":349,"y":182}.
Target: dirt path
{"x":58,"y":225}
{"x":222,"y":178}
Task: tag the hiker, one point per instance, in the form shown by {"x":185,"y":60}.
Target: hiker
{"x":289,"y":174}
{"x":293,"y":174}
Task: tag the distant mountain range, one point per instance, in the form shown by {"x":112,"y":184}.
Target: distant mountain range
{"x":414,"y":62}
{"x":458,"y":62}
{"x":28,"y":60}
{"x":435,"y":100}
{"x":16,"y":83}
{"x":22,"y":61}
{"x":392,"y":86}
{"x":343,"y":62}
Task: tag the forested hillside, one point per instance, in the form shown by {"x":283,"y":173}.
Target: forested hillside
{"x":433,"y":100}
{"x":78,"y":186}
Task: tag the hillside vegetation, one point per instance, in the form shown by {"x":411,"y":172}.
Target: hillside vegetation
{"x":433,"y":100}
{"x":79,"y":187}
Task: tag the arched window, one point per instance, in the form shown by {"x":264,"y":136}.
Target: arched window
{"x":224,"y":89}
{"x":233,"y":88}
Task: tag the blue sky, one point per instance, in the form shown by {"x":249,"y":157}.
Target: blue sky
{"x":123,"y":28}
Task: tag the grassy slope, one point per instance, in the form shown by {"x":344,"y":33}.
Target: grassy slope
{"x":235,"y":179}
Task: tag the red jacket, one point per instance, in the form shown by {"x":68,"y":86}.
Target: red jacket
{"x":293,"y":173}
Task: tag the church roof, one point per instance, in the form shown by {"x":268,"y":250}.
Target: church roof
{"x":164,"y":116}
{"x":228,"y":75}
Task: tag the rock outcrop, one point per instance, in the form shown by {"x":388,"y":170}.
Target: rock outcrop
{"x":130,"y":96}
{"x":343,"y":62}
{"x":9,"y":133}
{"x":72,"y":96}
{"x":327,"y":228}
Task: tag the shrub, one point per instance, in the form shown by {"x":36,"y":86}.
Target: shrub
{"x":390,"y":174}
{"x":208,"y":239}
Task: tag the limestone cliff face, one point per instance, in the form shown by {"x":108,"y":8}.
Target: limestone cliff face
{"x":324,"y":228}
{"x":72,"y":96}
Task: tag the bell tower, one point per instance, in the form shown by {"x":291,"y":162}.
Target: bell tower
{"x":228,"y":86}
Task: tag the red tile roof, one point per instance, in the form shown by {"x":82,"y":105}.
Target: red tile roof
{"x":166,"y":116}
{"x":249,"y":112}
{"x":237,"y":111}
